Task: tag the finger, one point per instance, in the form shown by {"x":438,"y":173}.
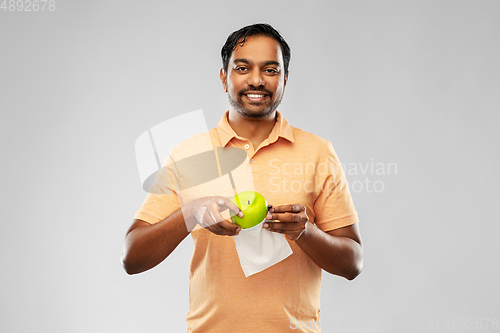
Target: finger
{"x":293,"y":208}
{"x":210,"y":223}
{"x":270,"y":208}
{"x":207,"y":226}
{"x":223,"y":227}
{"x":283,"y":226}
{"x":228,"y":228}
{"x":212,"y":215}
{"x":287,"y":217}
{"x":225,"y":202}
{"x":200,"y":217}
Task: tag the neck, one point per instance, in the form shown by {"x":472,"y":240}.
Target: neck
{"x":254,"y":129}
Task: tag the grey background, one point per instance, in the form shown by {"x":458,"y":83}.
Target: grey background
{"x":414,"y":83}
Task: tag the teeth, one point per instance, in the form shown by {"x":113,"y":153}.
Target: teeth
{"x":255,"y":96}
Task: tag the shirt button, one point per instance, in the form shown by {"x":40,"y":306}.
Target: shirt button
{"x":247,"y":146}
{"x":251,"y":160}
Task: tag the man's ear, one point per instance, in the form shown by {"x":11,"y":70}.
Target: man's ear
{"x":286,"y":77}
{"x":223,"y":78}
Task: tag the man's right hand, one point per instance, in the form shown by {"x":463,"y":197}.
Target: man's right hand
{"x":206,"y":212}
{"x":146,"y":245}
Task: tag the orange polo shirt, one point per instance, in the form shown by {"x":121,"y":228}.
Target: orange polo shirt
{"x":290,"y":166}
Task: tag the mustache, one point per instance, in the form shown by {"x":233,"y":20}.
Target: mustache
{"x":267,"y":92}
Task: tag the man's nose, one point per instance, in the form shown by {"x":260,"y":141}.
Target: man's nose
{"x":256,"y":79}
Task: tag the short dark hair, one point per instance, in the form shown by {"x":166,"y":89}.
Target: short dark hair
{"x":258,"y":29}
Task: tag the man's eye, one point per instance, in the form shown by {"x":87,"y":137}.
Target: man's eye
{"x":272,"y":71}
{"x":240,"y":69}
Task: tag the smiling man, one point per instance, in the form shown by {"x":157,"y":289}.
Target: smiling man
{"x":254,"y":77}
{"x":296,"y":171}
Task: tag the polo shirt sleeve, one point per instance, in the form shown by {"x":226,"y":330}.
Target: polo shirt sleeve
{"x":157,"y":207}
{"x":333,"y":207}
{"x":162,"y":200}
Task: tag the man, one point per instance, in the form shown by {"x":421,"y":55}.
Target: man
{"x":297,"y":172}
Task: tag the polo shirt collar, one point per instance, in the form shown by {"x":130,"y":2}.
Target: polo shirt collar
{"x":280,"y":129}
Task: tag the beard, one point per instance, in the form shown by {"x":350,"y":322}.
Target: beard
{"x":261,"y":110}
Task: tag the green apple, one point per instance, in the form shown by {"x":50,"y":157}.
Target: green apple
{"x":254,"y":208}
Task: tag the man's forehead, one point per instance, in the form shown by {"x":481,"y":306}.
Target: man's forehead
{"x":258,"y":49}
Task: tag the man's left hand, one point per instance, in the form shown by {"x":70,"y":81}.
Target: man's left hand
{"x":289,"y":220}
